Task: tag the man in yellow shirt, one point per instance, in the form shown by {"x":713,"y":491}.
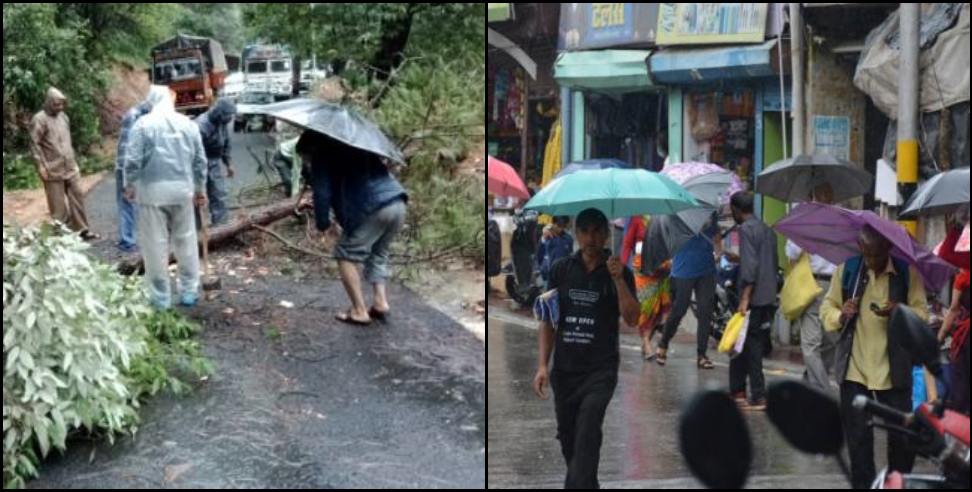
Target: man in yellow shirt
{"x":869,"y":359}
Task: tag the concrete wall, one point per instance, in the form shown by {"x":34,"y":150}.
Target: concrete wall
{"x":830,"y":91}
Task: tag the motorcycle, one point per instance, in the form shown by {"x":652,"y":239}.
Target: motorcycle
{"x":523,"y":283}
{"x":727,"y":295}
{"x":493,"y":246}
{"x":934,"y":432}
{"x":716,"y":445}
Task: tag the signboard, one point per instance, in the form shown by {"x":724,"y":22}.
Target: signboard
{"x":831,"y":136}
{"x":711,"y":23}
{"x":606,"y":25}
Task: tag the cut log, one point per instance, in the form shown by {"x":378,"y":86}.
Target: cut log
{"x":259,"y":216}
{"x":241,"y":223}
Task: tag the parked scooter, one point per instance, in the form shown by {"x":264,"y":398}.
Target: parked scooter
{"x":523,"y":283}
{"x":493,"y":251}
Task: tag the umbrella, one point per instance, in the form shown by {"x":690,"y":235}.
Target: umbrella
{"x":963,"y":242}
{"x":503,"y":180}
{"x":337,"y":122}
{"x":683,"y":171}
{"x":591,"y":164}
{"x":665,"y":236}
{"x":955,"y":248}
{"x":712,"y":186}
{"x":793,"y":180}
{"x":942,"y":194}
{"x":616,"y":192}
{"x":831,"y":232}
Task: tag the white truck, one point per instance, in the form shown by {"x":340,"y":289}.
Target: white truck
{"x":268,"y":68}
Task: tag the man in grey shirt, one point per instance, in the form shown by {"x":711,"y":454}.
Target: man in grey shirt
{"x":757,"y":279}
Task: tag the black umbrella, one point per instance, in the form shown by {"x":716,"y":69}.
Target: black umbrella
{"x":337,"y":122}
{"x":793,"y":180}
{"x":942,"y":194}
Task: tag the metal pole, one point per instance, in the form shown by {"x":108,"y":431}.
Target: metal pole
{"x":796,"y":62}
{"x":907,"y":165}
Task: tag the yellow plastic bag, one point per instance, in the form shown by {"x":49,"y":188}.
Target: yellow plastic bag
{"x":799,"y":289}
{"x":731,"y":333}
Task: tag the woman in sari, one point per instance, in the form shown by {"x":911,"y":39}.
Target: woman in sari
{"x":653,"y":289}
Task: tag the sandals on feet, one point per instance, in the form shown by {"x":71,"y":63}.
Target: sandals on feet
{"x":378,"y":315}
{"x":345,"y":317}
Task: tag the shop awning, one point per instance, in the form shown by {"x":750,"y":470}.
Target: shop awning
{"x":694,"y":65}
{"x":611,"y":70}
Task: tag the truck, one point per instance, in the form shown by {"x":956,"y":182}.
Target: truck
{"x":192,"y":66}
{"x":268,"y":68}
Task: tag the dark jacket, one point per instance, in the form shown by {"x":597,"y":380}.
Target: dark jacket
{"x":353,"y":182}
{"x":214,"y":128}
{"x":551,"y":250}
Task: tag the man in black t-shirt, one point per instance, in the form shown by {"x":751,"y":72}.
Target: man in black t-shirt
{"x":593,"y":292}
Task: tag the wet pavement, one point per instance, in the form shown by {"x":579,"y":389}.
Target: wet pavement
{"x":640,"y":447}
{"x":297,"y":399}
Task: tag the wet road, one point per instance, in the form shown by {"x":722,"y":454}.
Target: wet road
{"x":297,"y":400}
{"x":640,"y":432}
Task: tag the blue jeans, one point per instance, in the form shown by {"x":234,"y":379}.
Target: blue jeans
{"x":127,"y":216}
{"x":217,"y":193}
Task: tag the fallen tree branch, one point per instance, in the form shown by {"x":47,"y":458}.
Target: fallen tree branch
{"x":289,"y":244}
{"x":408,"y":259}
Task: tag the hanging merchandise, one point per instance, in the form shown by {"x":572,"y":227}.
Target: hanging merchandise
{"x":551,"y":162}
{"x":551,"y":155}
{"x":491,"y":93}
{"x":703,"y":116}
{"x":501,"y":87}
{"x":515,"y":113}
{"x":738,"y":104}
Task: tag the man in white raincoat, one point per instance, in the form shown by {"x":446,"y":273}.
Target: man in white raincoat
{"x":165,"y":174}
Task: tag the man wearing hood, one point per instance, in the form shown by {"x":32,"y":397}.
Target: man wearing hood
{"x":127,"y":215}
{"x":214,"y":128}
{"x":165,"y":168}
{"x":50,"y":135}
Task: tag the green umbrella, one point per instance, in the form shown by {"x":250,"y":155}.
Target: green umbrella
{"x":616,"y":192}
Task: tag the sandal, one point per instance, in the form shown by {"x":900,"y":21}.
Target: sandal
{"x":646,"y":350}
{"x":755,"y":406}
{"x":705,"y":363}
{"x":661,"y":356}
{"x":378,"y":315}
{"x":739,"y":398}
{"x":345,"y":317}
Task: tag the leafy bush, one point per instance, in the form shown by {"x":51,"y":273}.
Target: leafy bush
{"x":438,"y":116}
{"x":71,"y":46}
{"x":81,"y":348}
{"x":19,"y":172}
{"x":39,"y":51}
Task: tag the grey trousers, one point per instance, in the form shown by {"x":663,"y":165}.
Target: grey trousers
{"x":818,"y":346}
{"x":369,"y":243}
{"x":66,"y":203}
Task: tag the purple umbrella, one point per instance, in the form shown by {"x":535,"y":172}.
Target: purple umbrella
{"x":831,"y":232}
